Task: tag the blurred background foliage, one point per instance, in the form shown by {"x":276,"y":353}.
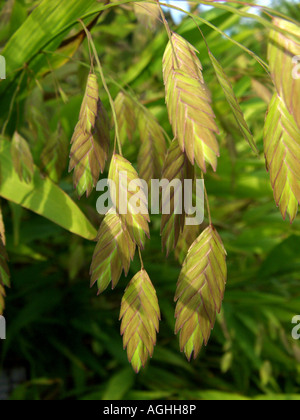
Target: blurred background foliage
{"x":63,"y":342}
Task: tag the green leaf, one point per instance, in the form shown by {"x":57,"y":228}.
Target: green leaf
{"x":42,"y":196}
{"x":233,"y":102}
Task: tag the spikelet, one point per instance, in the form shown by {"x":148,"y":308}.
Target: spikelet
{"x":188,"y":103}
{"x":282,"y":153}
{"x":153,"y":149}
{"x":282,"y":50}
{"x":54,"y":156}
{"x":176,"y":167}
{"x":122,"y":173}
{"x":113,"y":253}
{"x":185,"y":240}
{"x":126,"y":116}
{"x":200,"y":291}
{"x":22,"y":158}
{"x":147,"y":14}
{"x":140,"y":315}
{"x":90,"y":141}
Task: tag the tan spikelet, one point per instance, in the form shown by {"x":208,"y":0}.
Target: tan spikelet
{"x":113,"y":253}
{"x":22,"y":158}
{"x":188,"y":103}
{"x":200,"y":291}
{"x":126,"y":116}
{"x":140,"y":315}
{"x":282,"y":153}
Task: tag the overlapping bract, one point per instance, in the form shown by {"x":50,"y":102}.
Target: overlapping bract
{"x":283,"y":54}
{"x":233,"y":102}
{"x":126,"y":116}
{"x":188,"y":103}
{"x":176,"y":167}
{"x":140,"y":315}
{"x":113,"y":253}
{"x":128,"y":185}
{"x":22,"y":158}
{"x":153,"y":149}
{"x":200,"y":291}
{"x":90,"y":141}
{"x":54,"y":156}
{"x":147,"y":14}
{"x":282,"y":152}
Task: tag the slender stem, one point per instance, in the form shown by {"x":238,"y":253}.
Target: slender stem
{"x":117,"y":137}
{"x":207,"y":202}
{"x":168,"y":32}
{"x":12,"y":102}
{"x":141,"y":259}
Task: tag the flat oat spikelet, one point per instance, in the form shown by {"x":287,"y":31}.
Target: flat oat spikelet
{"x":153,"y":149}
{"x":113,"y":253}
{"x":90,"y":141}
{"x":126,"y":116}
{"x":140,"y":315}
{"x":282,"y":152}
{"x":122,"y":173}
{"x":282,"y":51}
{"x":200,"y":291}
{"x":22,"y":158}
{"x":176,"y":167}
{"x":188,"y":103}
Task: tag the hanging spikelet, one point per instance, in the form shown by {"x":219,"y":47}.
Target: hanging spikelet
{"x":282,"y":152}
{"x":90,"y":141}
{"x":122,"y":173}
{"x":200,"y":291}
{"x":126,"y":116}
{"x":282,"y":51}
{"x":22,"y":158}
{"x":54,"y":155}
{"x":140,"y":315}
{"x":153,"y":149}
{"x":188,"y":103}
{"x":147,"y":14}
{"x":113,"y":253}
{"x":176,"y":167}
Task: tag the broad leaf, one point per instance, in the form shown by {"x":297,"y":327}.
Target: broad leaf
{"x":283,"y":51}
{"x":122,"y":173}
{"x":200,"y":291}
{"x":188,"y":102}
{"x":233,"y":102}
{"x":282,"y":152}
{"x":113,"y":253}
{"x":42,"y":196}
{"x":140,"y":315}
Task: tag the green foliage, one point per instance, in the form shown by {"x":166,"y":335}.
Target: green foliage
{"x":65,"y":336}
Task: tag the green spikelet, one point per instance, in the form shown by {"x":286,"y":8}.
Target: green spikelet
{"x":113,"y":253}
{"x":200,"y":291}
{"x":140,"y":315}
{"x":90,"y":141}
{"x":22,"y":158}
{"x":188,"y":103}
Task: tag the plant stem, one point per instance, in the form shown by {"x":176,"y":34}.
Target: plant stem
{"x":90,"y":39}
